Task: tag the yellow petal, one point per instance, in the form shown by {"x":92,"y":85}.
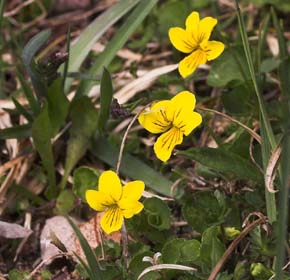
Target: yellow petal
{"x":183,"y":101}
{"x":112,"y":220}
{"x":110,"y":184}
{"x":133,"y":190}
{"x":155,"y":119}
{"x":181,"y":39}
{"x":97,"y":200}
{"x":188,"y":65}
{"x":213,"y":49}
{"x":192,"y":22}
{"x":187,"y":121}
{"x":130,"y":208}
{"x":166,"y":143}
{"x":206,"y":26}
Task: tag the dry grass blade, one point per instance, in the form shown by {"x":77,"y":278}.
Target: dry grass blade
{"x":12,"y":148}
{"x":165,"y":266}
{"x":271,"y":169}
{"x":18,"y":8}
{"x":249,"y":130}
{"x":142,"y":83}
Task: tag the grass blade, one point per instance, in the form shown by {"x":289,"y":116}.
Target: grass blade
{"x":66,"y":64}
{"x":21,"y":110}
{"x":93,"y":32}
{"x":262,"y":43}
{"x":268,"y":136}
{"x":131,"y":167}
{"x":34,"y":105}
{"x":95,"y":272}
{"x":118,"y":41}
{"x":106,"y":99}
{"x":2,"y":4}
{"x":29,"y":51}
{"x":16,"y":132}
{"x":283,"y":69}
{"x":283,"y":72}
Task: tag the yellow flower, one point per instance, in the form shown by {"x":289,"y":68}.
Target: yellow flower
{"x":173,"y":118}
{"x":116,"y":201}
{"x":194,"y":39}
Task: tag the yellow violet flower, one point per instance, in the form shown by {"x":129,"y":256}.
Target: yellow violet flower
{"x":115,"y":201}
{"x":173,"y":118}
{"x":194,"y":39}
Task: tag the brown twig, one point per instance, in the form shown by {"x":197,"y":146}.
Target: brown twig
{"x":11,"y":163}
{"x":233,"y":245}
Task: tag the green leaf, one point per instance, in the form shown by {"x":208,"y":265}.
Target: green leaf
{"x":225,"y":162}
{"x":95,"y":272}
{"x":35,"y":107}
{"x":45,"y":127}
{"x":93,"y":32}
{"x":15,"y":274}
{"x":237,"y":101}
{"x":16,"y":132}
{"x":229,"y":67}
{"x":65,"y":201}
{"x":158,"y":213}
{"x":180,"y":251}
{"x":171,"y":252}
{"x":21,"y":110}
{"x":58,"y":106}
{"x":42,"y":134}
{"x":212,"y":248}
{"x":106,"y":99}
{"x":131,"y":167}
{"x":224,"y":276}
{"x":203,"y":210}
{"x":171,"y":13}
{"x":85,"y":178}
{"x":270,"y":64}
{"x":2,"y":5}
{"x":117,"y":42}
{"x":24,"y":192}
{"x":84,"y":117}
{"x":242,"y":271}
{"x":66,"y":63}
{"x":29,"y":51}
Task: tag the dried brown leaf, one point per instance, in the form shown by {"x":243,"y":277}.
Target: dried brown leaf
{"x":271,"y":169}
{"x":12,"y":231}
